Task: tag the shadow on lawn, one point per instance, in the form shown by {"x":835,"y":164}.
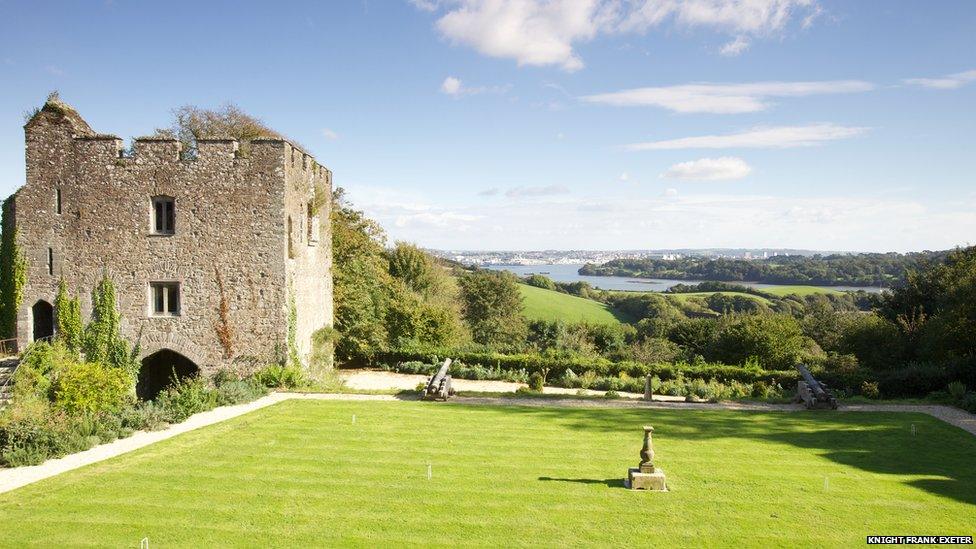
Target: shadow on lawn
{"x":878,"y":442}
{"x":608,"y":482}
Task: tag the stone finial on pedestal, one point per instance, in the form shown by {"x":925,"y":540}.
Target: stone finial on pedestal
{"x":647,"y":451}
{"x":646,"y":476}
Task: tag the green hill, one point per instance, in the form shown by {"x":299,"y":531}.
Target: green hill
{"x":541,"y":304}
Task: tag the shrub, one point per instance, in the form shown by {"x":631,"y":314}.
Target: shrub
{"x":90,"y":387}
{"x":611,"y":394}
{"x":870,"y":390}
{"x":144,"y":416}
{"x":536,"y":382}
{"x":957,"y":390}
{"x":239,"y":391}
{"x":968,"y":403}
{"x":185,"y":398}
{"x":277,"y":376}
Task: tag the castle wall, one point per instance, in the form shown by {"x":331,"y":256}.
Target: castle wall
{"x":230,"y":224}
{"x":310,"y":252}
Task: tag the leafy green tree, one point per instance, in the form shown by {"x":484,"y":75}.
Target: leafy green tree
{"x":361,"y":281}
{"x":413,"y":266}
{"x":541,"y":281}
{"x":492,"y":307}
{"x":68,"y":311}
{"x":694,"y":335}
{"x":775,"y":340}
{"x":935,"y":309}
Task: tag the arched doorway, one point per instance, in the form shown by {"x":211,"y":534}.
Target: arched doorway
{"x":160,"y":369}
{"x":43,"y":314}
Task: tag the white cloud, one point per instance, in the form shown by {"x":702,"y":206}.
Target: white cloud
{"x":709,"y":169}
{"x":723,"y":98}
{"x":545,"y":32}
{"x":451,"y":86}
{"x":738,"y":16}
{"x":548,"y":190}
{"x":54,"y":70}
{"x":776,"y":137}
{"x":489,"y":192}
{"x":628,"y":218}
{"x":440,"y":219}
{"x":455,"y":88}
{"x":735,"y":47}
{"x":624,"y":177}
{"x":330,"y":134}
{"x":948,"y":82}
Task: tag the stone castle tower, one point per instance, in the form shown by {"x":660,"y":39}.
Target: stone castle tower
{"x":224,"y":242}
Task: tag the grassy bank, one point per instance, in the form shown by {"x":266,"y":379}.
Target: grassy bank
{"x":542,"y":304}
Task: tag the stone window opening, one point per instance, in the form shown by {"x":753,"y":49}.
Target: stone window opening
{"x":57,"y":201}
{"x":291,"y":244}
{"x":50,"y":261}
{"x":313,"y":225}
{"x":164,"y":215}
{"x":165,"y":298}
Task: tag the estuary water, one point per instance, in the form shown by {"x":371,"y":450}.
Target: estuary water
{"x":570,"y":273}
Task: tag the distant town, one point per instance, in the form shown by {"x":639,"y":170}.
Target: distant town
{"x":578,"y":257}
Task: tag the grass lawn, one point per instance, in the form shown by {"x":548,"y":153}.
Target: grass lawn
{"x":542,"y":304}
{"x":302,"y":473}
{"x":799,"y":290}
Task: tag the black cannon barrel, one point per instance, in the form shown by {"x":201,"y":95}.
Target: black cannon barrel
{"x":815,"y":386}
{"x":435,"y":381}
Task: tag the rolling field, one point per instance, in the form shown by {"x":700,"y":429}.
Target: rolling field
{"x":799,"y":290}
{"x":542,"y":304}
{"x":304,"y":474}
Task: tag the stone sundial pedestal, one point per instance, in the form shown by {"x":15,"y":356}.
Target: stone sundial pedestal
{"x":646,"y":476}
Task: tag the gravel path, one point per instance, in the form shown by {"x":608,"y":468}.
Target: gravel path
{"x":11,"y":479}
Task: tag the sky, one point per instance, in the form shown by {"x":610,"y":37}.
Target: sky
{"x":561,"y":124}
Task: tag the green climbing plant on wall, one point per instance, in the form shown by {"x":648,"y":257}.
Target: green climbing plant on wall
{"x":294,"y":359}
{"x":102,"y":342}
{"x":68,"y":311}
{"x":13,"y":273}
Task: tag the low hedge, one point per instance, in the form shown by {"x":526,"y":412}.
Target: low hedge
{"x":555,"y":367}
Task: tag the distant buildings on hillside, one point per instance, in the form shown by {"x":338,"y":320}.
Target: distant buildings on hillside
{"x":576,"y":257}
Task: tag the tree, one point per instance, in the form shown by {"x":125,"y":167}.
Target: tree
{"x":775,"y":340}
{"x":414,"y":267}
{"x":191,"y":123}
{"x":492,"y":306}
{"x":361,"y":281}
{"x":13,"y":272}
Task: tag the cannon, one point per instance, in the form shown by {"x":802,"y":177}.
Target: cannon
{"x":814,"y":394}
{"x":439,"y":386}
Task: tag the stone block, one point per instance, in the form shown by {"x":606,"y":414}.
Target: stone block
{"x":654,"y":482}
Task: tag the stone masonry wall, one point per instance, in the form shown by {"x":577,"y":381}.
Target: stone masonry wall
{"x":231,"y":222}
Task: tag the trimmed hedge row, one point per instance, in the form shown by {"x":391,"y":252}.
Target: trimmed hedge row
{"x":553,"y":367}
{"x":913,"y":380}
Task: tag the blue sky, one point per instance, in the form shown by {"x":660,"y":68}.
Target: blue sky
{"x":579,"y":124}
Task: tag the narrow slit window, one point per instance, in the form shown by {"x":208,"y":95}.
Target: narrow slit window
{"x":291,"y":245}
{"x":164,"y":215}
{"x":50,"y":261}
{"x":57,"y":201}
{"x":165,"y":297}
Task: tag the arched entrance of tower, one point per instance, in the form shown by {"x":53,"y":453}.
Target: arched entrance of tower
{"x":163,"y":369}
{"x":43,"y":320}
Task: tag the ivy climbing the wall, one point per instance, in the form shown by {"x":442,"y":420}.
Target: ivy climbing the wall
{"x":13,"y":272}
{"x":68,"y":312}
{"x":102,"y":342}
